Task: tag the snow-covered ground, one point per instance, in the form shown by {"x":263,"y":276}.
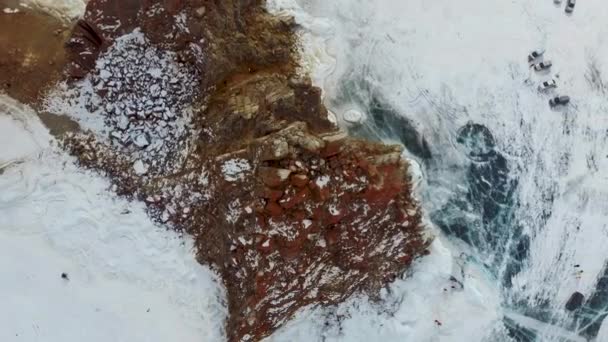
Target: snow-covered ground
{"x":63,"y":9}
{"x":444,"y":64}
{"x":128,"y":279}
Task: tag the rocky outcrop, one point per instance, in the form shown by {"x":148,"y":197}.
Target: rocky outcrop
{"x":209,"y":122}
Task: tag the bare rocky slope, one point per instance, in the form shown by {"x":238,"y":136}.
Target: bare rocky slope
{"x":207,"y":119}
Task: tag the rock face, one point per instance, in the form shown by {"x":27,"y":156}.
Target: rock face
{"x":31,"y":53}
{"x":287,"y":208}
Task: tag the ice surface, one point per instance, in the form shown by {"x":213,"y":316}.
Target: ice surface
{"x":541,"y":205}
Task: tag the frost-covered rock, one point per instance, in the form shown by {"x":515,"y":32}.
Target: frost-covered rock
{"x":140,"y":168}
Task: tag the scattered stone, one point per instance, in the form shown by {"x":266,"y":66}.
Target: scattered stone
{"x":165,"y":217}
{"x":299,"y":181}
{"x":273,"y":177}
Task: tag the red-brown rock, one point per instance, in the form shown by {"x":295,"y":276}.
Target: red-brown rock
{"x":314,"y":217}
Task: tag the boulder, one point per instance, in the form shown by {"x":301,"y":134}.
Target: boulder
{"x":576,"y":301}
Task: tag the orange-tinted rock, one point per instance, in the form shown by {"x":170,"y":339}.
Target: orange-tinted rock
{"x":320,"y":193}
{"x":318,"y":216}
{"x":299,"y":181}
{"x":299,"y":215}
{"x":331,"y":150}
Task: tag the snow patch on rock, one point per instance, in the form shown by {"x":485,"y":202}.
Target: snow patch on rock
{"x":235,"y":169}
{"x":62,"y":9}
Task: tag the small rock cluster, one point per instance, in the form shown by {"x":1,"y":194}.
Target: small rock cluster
{"x":143,"y":94}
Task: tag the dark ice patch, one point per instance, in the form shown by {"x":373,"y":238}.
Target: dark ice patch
{"x":483,"y":215}
{"x":575,"y":301}
{"x":477,"y":141}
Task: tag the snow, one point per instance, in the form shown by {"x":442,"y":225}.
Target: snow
{"x":63,"y":9}
{"x":235,"y":169}
{"x":322,"y":181}
{"x":234,"y":211}
{"x":129,"y":280}
{"x":181,"y":22}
